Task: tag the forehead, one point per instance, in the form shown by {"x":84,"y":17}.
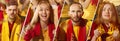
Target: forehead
{"x":107,"y":6}
{"x":11,"y":6}
{"x":43,"y":5}
{"x":75,"y":6}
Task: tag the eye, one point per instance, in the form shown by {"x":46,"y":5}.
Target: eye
{"x":110,"y":9}
{"x":47,"y":9}
{"x":79,"y":11}
{"x":104,"y":9}
{"x":9,"y":9}
{"x":40,"y":9}
{"x":72,"y":11}
{"x":15,"y":9}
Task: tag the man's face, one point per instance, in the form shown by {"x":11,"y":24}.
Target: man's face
{"x":75,"y":12}
{"x":12,"y":11}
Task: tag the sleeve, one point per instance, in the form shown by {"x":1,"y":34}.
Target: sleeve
{"x":29,"y":35}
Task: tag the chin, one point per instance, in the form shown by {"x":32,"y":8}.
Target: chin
{"x":11,"y":17}
{"x":75,"y":20}
{"x":44,"y":20}
{"x":107,"y":18}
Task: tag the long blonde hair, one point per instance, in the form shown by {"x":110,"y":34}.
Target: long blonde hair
{"x":36,"y":18}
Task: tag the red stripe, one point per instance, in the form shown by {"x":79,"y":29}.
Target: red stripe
{"x":81,"y":35}
{"x":37,"y":30}
{"x":94,"y":2}
{"x":29,"y":15}
{"x":59,"y":10}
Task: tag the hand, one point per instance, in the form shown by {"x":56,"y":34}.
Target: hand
{"x":115,"y":34}
{"x":96,"y":33}
{"x":28,"y":27}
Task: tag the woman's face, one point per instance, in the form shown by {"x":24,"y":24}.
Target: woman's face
{"x":44,"y":12}
{"x":107,"y":12}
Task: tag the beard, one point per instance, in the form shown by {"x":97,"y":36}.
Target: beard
{"x":77,"y":19}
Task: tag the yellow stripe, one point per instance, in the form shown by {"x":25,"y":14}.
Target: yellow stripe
{"x":15,"y":31}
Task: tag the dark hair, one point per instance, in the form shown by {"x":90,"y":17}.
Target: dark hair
{"x":12,"y":2}
{"x":2,"y":5}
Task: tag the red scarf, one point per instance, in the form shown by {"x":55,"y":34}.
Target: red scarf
{"x":81,"y":35}
{"x":1,"y":15}
{"x":1,"y":18}
{"x":94,"y":27}
{"x":37,"y":30}
{"x":11,"y":26}
{"x":59,"y":10}
{"x":94,"y":2}
{"x":29,"y":16}
{"x":105,"y":28}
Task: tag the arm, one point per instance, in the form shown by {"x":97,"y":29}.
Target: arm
{"x":85,"y":3}
{"x":96,"y":35}
{"x":68,"y":2}
{"x":116,"y":35}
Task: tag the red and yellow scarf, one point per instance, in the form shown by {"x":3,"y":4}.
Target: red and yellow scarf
{"x":37,"y":31}
{"x":81,"y":35}
{"x":14,"y":36}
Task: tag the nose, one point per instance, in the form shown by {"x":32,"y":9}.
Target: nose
{"x":12,"y":11}
{"x":107,"y":11}
{"x":76,"y":13}
{"x":44,"y":11}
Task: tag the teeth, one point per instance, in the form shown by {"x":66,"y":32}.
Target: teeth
{"x":44,"y":15}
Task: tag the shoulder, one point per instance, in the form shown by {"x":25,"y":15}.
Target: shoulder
{"x":88,"y":23}
{"x":63,"y":25}
{"x":18,"y":20}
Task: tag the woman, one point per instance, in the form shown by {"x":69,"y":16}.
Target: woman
{"x":106,"y":25}
{"x":42,"y":25}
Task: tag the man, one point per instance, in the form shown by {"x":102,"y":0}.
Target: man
{"x":11,"y":24}
{"x":75,"y":28}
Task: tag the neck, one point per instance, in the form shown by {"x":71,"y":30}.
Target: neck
{"x":76,"y":23}
{"x":11,"y":20}
{"x":44,"y":24}
{"x":107,"y":23}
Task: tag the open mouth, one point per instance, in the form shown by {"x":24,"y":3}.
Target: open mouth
{"x":44,"y":16}
{"x":12,"y":14}
{"x":107,"y":15}
{"x":76,"y":19}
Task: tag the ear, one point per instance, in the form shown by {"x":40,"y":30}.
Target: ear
{"x":18,"y":11}
{"x":5,"y":10}
{"x":82,"y":13}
